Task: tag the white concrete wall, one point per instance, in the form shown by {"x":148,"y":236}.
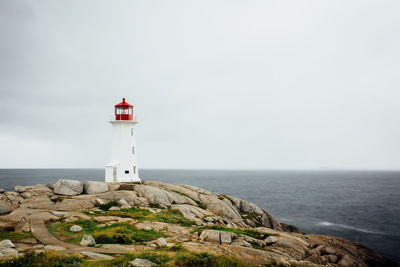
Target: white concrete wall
{"x":121,"y":152}
{"x":109,"y":174}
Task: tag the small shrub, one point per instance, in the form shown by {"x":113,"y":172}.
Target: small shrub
{"x":177,"y":247}
{"x":205,"y":259}
{"x":50,"y":259}
{"x":154,"y":257}
{"x":191,"y":259}
{"x":108,"y":205}
{"x":155,"y":205}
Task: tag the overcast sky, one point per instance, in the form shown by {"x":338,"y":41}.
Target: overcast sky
{"x":216,"y":84}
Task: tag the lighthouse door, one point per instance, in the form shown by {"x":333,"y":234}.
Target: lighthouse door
{"x":114,"y":174}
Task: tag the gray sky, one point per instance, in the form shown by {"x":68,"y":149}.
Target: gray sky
{"x":216,"y":84}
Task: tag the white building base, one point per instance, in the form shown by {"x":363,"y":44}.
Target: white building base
{"x":111,"y":174}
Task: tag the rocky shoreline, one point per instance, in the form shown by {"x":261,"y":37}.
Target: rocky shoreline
{"x":86,"y":218}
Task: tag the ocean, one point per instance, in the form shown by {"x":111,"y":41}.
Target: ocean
{"x":361,"y":206}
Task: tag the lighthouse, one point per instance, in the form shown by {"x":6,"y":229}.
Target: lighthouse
{"x":123,"y":165}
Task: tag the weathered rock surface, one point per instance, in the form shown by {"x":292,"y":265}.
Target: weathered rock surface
{"x":88,"y":240}
{"x":220,"y":237}
{"x":68,"y":187}
{"x":75,"y":228}
{"x":270,"y":240}
{"x":161,"y":242}
{"x":96,"y":256}
{"x":92,"y":187}
{"x":124,"y":204}
{"x":56,"y":248}
{"x":161,"y":197}
{"x":8,"y":252}
{"x":20,"y":188}
{"x":141,"y":263}
{"x":3,"y":209}
{"x":122,"y":248}
{"x":6,"y":244}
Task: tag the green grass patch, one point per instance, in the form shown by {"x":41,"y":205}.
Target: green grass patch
{"x":248,"y":232}
{"x":180,"y":258}
{"x":161,"y":259}
{"x":108,"y":205}
{"x":59,"y":229}
{"x":45,"y":259}
{"x":167,"y":216}
{"x":205,"y":259}
{"x":124,"y":233}
{"x":14,"y":236}
{"x":117,"y":233}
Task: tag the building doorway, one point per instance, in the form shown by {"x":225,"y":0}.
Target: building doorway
{"x":114,"y":174}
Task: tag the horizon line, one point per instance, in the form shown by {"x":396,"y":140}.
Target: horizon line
{"x":212,"y":169}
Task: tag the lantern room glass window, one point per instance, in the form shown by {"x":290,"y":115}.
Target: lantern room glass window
{"x":128,"y":111}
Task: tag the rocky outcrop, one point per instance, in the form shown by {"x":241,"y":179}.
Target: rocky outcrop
{"x":220,"y":237}
{"x":209,"y":215}
{"x":161,"y":197}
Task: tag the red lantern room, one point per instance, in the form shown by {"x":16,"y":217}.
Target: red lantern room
{"x":123,"y":111}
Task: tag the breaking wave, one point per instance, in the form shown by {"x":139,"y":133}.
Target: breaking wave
{"x":343,"y":226}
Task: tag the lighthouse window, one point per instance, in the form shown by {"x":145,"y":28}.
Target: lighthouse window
{"x":132,"y":132}
{"x":133,"y":150}
{"x":127,"y":171}
{"x":134,"y":169}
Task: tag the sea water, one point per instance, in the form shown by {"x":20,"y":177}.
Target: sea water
{"x":361,"y":206}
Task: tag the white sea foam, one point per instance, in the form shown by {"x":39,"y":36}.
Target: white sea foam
{"x":344,"y":226}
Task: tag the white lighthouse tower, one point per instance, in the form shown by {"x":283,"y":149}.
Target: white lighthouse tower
{"x":123,"y":165}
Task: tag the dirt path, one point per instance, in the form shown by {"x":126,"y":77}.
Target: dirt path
{"x":41,"y":233}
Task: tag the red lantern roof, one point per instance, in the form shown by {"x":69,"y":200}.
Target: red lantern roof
{"x":123,"y":104}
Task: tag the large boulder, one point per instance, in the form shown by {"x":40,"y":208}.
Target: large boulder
{"x":161,"y":242}
{"x":68,"y":187}
{"x":20,"y":188}
{"x":75,"y":228}
{"x":88,"y":240}
{"x":216,"y":236}
{"x":92,"y":187}
{"x":6,"y":244}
